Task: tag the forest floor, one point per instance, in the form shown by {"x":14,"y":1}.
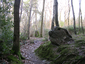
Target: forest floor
{"x":70,"y":54}
{"x":28,"y":49}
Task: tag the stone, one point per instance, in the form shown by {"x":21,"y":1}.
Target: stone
{"x":60,"y":36}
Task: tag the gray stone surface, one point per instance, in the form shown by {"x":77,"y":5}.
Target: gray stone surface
{"x":59,"y":36}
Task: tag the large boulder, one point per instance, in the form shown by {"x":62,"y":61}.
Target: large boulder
{"x":60,"y":36}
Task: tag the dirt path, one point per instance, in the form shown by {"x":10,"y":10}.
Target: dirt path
{"x":27,"y":51}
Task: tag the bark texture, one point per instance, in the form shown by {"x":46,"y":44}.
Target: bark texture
{"x":16,"y":45}
{"x":55,"y":12}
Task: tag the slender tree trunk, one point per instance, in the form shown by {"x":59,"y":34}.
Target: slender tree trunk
{"x":55,"y":12}
{"x":64,"y":18}
{"x":52,"y":24}
{"x":29,"y":19}
{"x":80,"y":17}
{"x":35,"y":21}
{"x":21,"y":8}
{"x":82,"y":24}
{"x":55,"y":15}
{"x":41,"y":34}
{"x":79,"y":13}
{"x":16,"y":44}
{"x":68,"y":12}
{"x":73,"y":17}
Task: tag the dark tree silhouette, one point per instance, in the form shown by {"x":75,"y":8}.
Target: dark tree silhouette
{"x":16,"y":44}
{"x":73,"y":17}
{"x":55,"y":14}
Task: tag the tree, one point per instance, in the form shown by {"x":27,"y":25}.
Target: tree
{"x":41,"y":34}
{"x":80,"y":17}
{"x":16,"y":44}
{"x":29,"y":19}
{"x":52,"y":24}
{"x":21,"y":8}
{"x":35,"y":11}
{"x":82,"y":24}
{"x":79,"y":13}
{"x":55,"y":14}
{"x":73,"y":17}
{"x":68,"y":12}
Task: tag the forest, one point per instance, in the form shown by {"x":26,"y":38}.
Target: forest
{"x":42,"y":32}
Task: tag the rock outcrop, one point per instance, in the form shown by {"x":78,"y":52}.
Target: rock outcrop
{"x":60,"y":36}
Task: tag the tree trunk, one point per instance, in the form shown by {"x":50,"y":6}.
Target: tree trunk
{"x":80,"y":17}
{"x":21,"y":9}
{"x":36,"y":15}
{"x":65,"y":19}
{"x":82,"y":24}
{"x":55,"y":12}
{"x":35,"y":21}
{"x":41,"y":34}
{"x":55,"y":15}
{"x":29,"y":19}
{"x":73,"y":17}
{"x":79,"y":13}
{"x":16,"y":44}
{"x":52,"y":25}
{"x":68,"y":12}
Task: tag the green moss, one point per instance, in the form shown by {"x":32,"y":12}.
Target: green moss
{"x":78,"y":57}
{"x":14,"y":60}
{"x":64,"y":51}
{"x":63,"y":54}
{"x":79,"y":43}
{"x":45,"y":51}
{"x":65,"y":59}
{"x":62,"y":48}
{"x":83,"y":41}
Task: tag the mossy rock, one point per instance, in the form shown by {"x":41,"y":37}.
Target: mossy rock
{"x":36,"y":33}
{"x":45,"y":51}
{"x":80,"y":43}
{"x":64,"y":54}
